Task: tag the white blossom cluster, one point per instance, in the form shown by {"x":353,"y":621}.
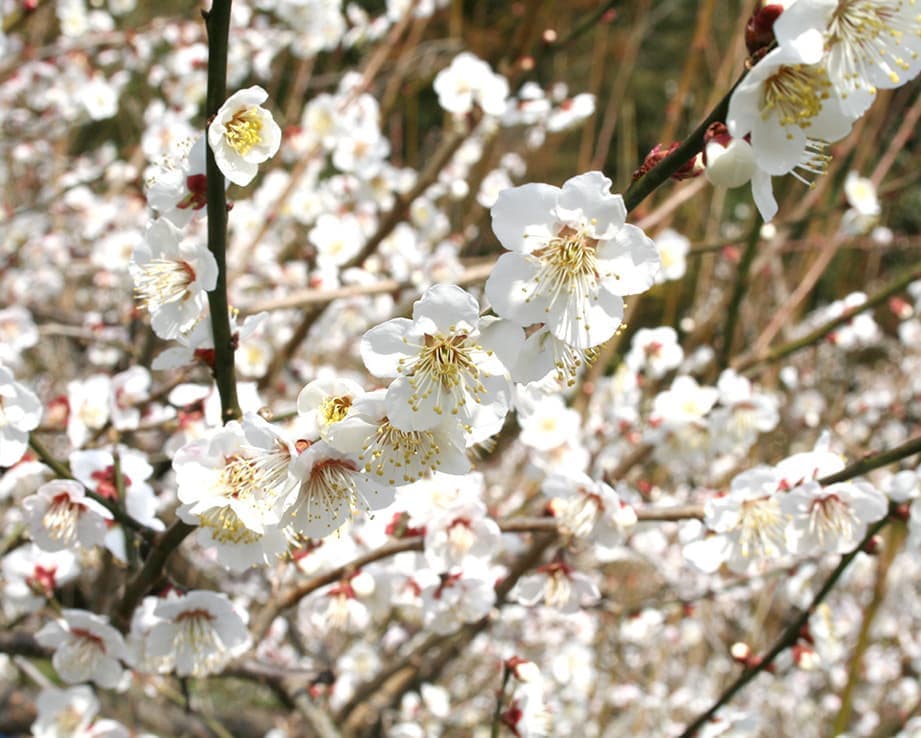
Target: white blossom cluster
{"x":462,"y":454}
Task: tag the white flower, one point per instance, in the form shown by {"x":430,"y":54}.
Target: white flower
{"x":86,"y":647}
{"x":557,"y":585}
{"x":20,"y":412}
{"x":179,"y":193}
{"x":31,"y":575}
{"x":171,"y":277}
{"x":397,"y":457}
{"x":234,"y":484}
{"x":673,"y":249}
{"x":467,"y":81}
{"x":654,"y":351}
{"x":831,"y":519}
{"x":60,"y":516}
{"x":64,"y":713}
{"x":571,"y":259}
{"x":88,"y":404}
{"x":869,"y":44}
{"x":684,"y":402}
{"x":588,"y":509}
{"x":199,"y":634}
{"x":527,"y":715}
{"x":861,"y":194}
{"x":786,"y":101}
{"x":337,"y":239}
{"x":731,"y":162}
{"x":325,"y":402}
{"x":748,"y":521}
{"x":332,"y":488}
{"x":95,"y":469}
{"x":548,"y":423}
{"x":17,"y":333}
{"x":446,"y":361}
{"x":243,"y":135}
{"x":460,"y":535}
{"x":459,"y":597}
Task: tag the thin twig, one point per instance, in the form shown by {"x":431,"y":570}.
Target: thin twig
{"x":217,"y":22}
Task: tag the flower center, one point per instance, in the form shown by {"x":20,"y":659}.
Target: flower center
{"x":162,"y":281}
{"x":444,"y":366}
{"x":831,"y":516}
{"x":795,"y":93}
{"x":226,"y":526}
{"x":865,"y":32}
{"x":61,"y":518}
{"x":244,"y":130}
{"x":761,"y":527}
{"x":392,"y":452}
{"x":195,"y":633}
{"x":331,"y":482}
{"x":460,"y":536}
{"x":334,"y":409}
{"x":569,"y":267}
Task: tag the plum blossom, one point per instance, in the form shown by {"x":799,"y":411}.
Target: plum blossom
{"x":243,"y":135}
{"x":461,"y":534}
{"x":31,"y":575}
{"x":331,"y":488}
{"x":469,"y":80}
{"x":654,"y":351}
{"x":786,"y":102}
{"x":748,"y":524}
{"x":393,"y":456}
{"x":179,"y":191}
{"x":20,"y":412}
{"x":171,"y":277}
{"x":86,"y":647}
{"x":446,"y":361}
{"x":831,"y":519}
{"x":61,"y":515}
{"x":234,"y":483}
{"x":557,"y":585}
{"x":869,"y":45}
{"x":571,"y":258}
{"x":64,"y":713}
{"x":95,"y":469}
{"x":588,"y":509}
{"x":196,"y":634}
{"x":461,"y":596}
{"x":325,"y":402}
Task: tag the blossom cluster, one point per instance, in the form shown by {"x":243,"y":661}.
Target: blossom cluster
{"x":817,"y":67}
{"x":492,"y":436}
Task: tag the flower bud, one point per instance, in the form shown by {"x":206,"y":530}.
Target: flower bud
{"x":759,"y":31}
{"x":729,"y":162}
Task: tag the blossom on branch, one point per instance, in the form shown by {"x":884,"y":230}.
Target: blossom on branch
{"x":243,"y":135}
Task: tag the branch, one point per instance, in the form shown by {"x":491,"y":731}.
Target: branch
{"x":690,"y":147}
{"x":217,"y":23}
{"x":150,"y":573}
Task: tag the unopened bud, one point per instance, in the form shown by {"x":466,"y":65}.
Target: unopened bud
{"x":741,"y":652}
{"x":805,"y":657}
{"x":688,"y":170}
{"x":873,"y":546}
{"x":523,"y":670}
{"x":759,"y":31}
{"x":729,"y":162}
